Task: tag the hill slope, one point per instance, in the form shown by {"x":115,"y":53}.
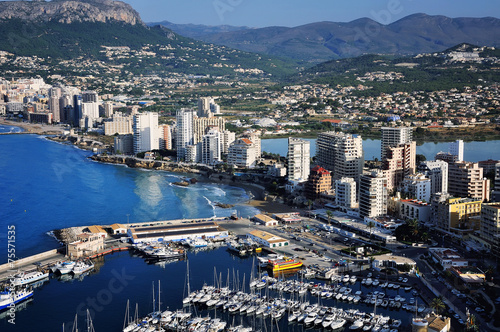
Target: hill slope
{"x":324,"y":41}
{"x":70,"y":30}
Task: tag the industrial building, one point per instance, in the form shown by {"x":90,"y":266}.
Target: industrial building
{"x":176,"y":232}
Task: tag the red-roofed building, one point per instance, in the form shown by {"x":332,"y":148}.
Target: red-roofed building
{"x":320,"y":181}
{"x":242,"y":153}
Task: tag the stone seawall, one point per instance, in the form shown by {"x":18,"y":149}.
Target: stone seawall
{"x":148,"y":164}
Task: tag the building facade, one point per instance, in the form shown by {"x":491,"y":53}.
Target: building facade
{"x":399,"y":162}
{"x":211,"y":148}
{"x":184,"y":134}
{"x":456,"y":215}
{"x":372,"y":195}
{"x":340,"y":153}
{"x":146,"y":132}
{"x":242,"y":153}
{"x":490,"y":226}
{"x":118,"y":124}
{"x":437,"y":172}
{"x":299,"y":156}
{"x":465,"y":179}
{"x":392,"y":137}
{"x":319,"y":181}
{"x":457,"y":149}
{"x":417,"y":186}
{"x":345,"y":193}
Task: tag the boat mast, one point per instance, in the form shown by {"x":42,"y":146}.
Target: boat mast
{"x":159,"y":301}
{"x":154,"y":304}
{"x":126,"y":320}
{"x":75,"y":324}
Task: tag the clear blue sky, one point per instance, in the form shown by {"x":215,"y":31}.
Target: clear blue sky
{"x":260,"y":13}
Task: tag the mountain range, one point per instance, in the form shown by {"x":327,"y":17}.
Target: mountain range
{"x":323,"y":41}
{"x":69,"y":29}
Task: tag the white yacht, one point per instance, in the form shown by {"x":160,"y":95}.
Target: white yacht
{"x":66,"y":267}
{"x":82,"y":266}
{"x":27,"y":278}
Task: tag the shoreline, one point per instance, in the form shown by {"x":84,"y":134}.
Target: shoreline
{"x":32,"y":128}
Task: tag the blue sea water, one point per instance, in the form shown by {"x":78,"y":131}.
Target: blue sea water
{"x":473,"y":151}
{"x":47,"y":185}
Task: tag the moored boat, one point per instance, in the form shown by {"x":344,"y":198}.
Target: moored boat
{"x":10,"y":298}
{"x":284,"y":264}
{"x":29,"y":277}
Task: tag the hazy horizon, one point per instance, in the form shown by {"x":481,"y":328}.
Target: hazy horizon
{"x":291,"y":13}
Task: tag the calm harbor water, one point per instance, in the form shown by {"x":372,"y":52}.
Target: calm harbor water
{"x":473,"y":151}
{"x":122,"y":276}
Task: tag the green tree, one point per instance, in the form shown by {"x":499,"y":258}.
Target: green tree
{"x":437,"y":304}
{"x":372,"y":259}
{"x":329,"y":214}
{"x":370,"y":225}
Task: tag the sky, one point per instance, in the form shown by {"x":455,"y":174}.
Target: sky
{"x":261,"y":13}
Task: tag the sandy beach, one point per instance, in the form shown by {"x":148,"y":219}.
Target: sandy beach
{"x":32,"y":128}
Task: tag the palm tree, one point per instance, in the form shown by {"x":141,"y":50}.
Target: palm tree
{"x":329,"y":214}
{"x":370,"y":225}
{"x":437,"y":304}
{"x":309,"y":203}
{"x":371,"y":258}
{"x":360,"y":264}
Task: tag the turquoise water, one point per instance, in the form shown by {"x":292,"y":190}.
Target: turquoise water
{"x":473,"y":151}
{"x":47,"y":185}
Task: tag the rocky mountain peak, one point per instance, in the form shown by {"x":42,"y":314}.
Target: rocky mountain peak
{"x":70,"y":11}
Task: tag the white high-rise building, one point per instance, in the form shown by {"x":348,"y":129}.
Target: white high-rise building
{"x":457,"y":149}
{"x":228,"y":137}
{"x":345,"y":193}
{"x":392,"y":137}
{"x":417,"y":186}
{"x":211,"y":148}
{"x":341,"y":154}
{"x":299,"y":159}
{"x":372,"y":195}
{"x":108,"y":109}
{"x":437,"y":172}
{"x":242,"y":153}
{"x":146,"y":132}
{"x":90,"y":109}
{"x":184,"y":135}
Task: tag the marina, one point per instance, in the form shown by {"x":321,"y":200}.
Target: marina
{"x":285,"y":293}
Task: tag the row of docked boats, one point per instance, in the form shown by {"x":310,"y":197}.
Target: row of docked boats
{"x":74,"y":267}
{"x":339,"y":292}
{"x":238,"y":302}
{"x":160,"y":251}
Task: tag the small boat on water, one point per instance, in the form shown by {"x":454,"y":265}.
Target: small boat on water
{"x":10,"y":298}
{"x":26,"y":278}
{"x":82,"y":267}
{"x":66,"y":267}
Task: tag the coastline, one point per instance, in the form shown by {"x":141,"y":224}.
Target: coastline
{"x":31,"y":128}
